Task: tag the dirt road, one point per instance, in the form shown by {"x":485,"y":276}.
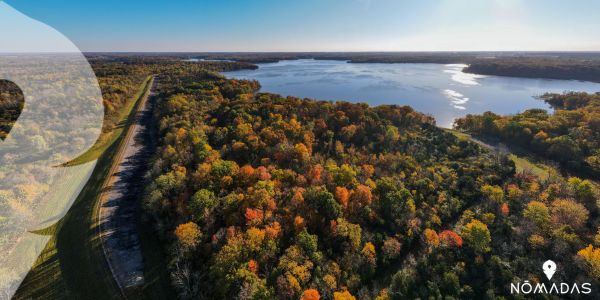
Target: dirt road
{"x":117,"y":212}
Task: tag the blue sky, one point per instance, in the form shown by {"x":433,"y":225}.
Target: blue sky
{"x":322,"y":25}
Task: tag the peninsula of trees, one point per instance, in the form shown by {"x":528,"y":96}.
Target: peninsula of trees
{"x":569,"y":136}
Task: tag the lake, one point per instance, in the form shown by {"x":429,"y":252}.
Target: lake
{"x":442,"y":91}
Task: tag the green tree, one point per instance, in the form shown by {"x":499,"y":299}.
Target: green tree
{"x":403,"y":284}
{"x":308,"y":243}
{"x":583,"y":192}
{"x":493,"y":193}
{"x":477,"y":235}
{"x":201,"y":204}
{"x":352,"y":233}
{"x":323,"y":202}
{"x":538,"y":213}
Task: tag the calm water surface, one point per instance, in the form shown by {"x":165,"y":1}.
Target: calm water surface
{"x":442,"y":91}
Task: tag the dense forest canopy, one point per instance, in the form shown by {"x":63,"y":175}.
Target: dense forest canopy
{"x":570,"y":136}
{"x":259,"y":196}
{"x":11,"y":104}
{"x":120,"y":78}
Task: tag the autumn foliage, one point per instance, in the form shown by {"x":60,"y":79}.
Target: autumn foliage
{"x":311,"y":294}
{"x":188,"y":234}
{"x":253,"y":215}
{"x":289,"y":198}
{"x":450,"y":238}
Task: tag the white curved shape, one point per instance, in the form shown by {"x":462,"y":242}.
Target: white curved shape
{"x":61,"y":119}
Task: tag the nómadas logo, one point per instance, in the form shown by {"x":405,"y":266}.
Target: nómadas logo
{"x":561,"y":288}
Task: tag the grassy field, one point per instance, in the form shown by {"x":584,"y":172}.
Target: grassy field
{"x":522,"y":162}
{"x":458,"y":134}
{"x":525,"y":165}
{"x":72,"y":265}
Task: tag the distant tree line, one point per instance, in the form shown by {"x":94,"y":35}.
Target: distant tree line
{"x":586,"y":70}
{"x":553,"y":65}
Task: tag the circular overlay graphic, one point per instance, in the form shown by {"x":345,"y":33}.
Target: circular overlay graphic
{"x":60,"y":119}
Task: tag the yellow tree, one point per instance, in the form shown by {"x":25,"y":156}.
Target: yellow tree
{"x":477,"y":236}
{"x":538,"y":213}
{"x":493,"y":192}
{"x":431,"y":238}
{"x":345,"y":295}
{"x":188,"y":235}
{"x":591,"y":256}
{"x":369,"y":252}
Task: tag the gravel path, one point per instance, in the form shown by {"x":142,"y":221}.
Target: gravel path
{"x":117,"y":212}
